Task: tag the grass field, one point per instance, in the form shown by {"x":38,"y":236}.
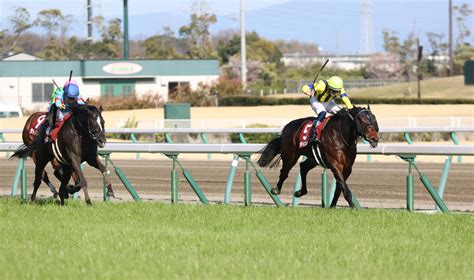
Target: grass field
{"x":153,"y":240}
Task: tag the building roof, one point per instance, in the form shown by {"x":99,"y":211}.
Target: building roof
{"x":21,"y":57}
{"x":92,"y":69}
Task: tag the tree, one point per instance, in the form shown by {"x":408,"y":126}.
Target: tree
{"x":439,"y":47}
{"x":20,"y":22}
{"x":197,"y":34}
{"x":258,"y":49}
{"x":405,"y":51}
{"x":114,"y":31}
{"x":232,"y":69}
{"x":383,"y":66}
{"x":161,"y":46}
{"x":461,"y":54}
{"x":53,"y":20}
{"x":463,"y":13}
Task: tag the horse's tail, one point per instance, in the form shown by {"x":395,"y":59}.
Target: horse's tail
{"x":24,"y":151}
{"x":271,"y":154}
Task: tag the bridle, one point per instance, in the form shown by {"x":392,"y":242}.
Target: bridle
{"x":87,"y":130}
{"x":360,"y":128}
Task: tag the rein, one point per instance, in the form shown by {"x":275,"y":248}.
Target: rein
{"x":359,"y":129}
{"x":86,"y":131}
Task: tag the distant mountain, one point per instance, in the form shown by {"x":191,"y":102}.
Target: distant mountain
{"x":334,"y":25}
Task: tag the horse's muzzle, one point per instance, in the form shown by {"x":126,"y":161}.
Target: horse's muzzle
{"x":101,"y":143}
{"x":374,"y":141}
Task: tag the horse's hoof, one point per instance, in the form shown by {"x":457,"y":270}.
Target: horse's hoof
{"x":89,"y":202}
{"x":55,"y":195}
{"x":275,"y":191}
{"x":300,"y":193}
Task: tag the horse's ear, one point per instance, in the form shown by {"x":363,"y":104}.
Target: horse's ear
{"x":100,"y":108}
{"x":368,"y":106}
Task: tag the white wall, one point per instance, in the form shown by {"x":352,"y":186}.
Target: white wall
{"x":18,"y":90}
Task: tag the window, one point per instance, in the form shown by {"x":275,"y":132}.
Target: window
{"x":117,"y":87}
{"x":172,"y":86}
{"x":42,"y":92}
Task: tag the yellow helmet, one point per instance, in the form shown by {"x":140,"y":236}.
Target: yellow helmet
{"x":335,"y":83}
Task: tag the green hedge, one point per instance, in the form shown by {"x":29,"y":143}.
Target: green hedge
{"x":259,"y":101}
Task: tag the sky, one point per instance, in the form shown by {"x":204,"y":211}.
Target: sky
{"x":333,"y":24}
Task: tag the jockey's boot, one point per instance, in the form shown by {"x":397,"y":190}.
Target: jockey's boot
{"x":313,"y":136}
{"x":48,"y":139}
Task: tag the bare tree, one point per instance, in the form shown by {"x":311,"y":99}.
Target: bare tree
{"x":20,"y":22}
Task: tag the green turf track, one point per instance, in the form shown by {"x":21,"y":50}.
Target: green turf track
{"x":161,"y":241}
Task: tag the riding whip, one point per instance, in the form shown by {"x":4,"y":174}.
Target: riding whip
{"x":54,"y":82}
{"x":320,"y":70}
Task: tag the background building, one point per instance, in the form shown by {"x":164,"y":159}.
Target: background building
{"x":30,"y":83}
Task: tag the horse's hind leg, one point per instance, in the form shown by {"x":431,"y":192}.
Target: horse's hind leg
{"x":39,"y":168}
{"x":288,"y":163}
{"x":305,"y":167}
{"x":49,"y":184}
{"x":63,"y":189}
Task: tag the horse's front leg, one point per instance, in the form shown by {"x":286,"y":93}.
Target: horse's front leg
{"x":347,"y":194}
{"x":76,"y":166}
{"x":95,"y":162}
{"x":305,"y":167}
{"x":58,"y":172}
{"x":340,"y":172}
{"x":341,"y":185}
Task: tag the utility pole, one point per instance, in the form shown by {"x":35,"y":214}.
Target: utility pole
{"x":419,"y":53}
{"x":450,"y":43}
{"x":89,"y":20}
{"x":367,"y":30}
{"x":125,"y":29}
{"x":243,"y":51}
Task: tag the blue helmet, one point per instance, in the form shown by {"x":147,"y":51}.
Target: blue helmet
{"x":71,"y":90}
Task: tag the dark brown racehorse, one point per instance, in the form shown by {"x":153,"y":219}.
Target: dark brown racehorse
{"x":78,"y":141}
{"x":338,"y":149}
{"x":33,"y":125}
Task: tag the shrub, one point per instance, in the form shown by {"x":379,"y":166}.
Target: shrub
{"x":254,"y":138}
{"x":258,"y":101}
{"x":127,"y":102}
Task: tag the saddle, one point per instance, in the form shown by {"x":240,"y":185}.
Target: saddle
{"x":57,"y":127}
{"x":306,"y":131}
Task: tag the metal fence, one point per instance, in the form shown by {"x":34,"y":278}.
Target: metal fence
{"x":294,"y":86}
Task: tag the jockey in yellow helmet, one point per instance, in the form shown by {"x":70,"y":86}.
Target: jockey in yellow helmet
{"x":322,"y":95}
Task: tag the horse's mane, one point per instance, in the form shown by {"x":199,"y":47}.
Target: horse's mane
{"x":344,"y":112}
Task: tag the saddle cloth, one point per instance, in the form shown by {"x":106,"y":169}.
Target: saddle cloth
{"x":58,"y":126}
{"x":305,"y":132}
{"x":36,"y":124}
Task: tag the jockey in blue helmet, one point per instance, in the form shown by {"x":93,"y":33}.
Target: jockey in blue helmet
{"x":63,"y":99}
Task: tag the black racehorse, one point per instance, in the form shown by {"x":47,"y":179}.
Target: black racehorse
{"x":338,"y":148}
{"x":77,"y":141}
